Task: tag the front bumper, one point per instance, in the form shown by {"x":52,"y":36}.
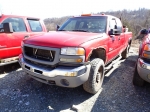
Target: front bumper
{"x":60,"y":76}
{"x":143,"y":69}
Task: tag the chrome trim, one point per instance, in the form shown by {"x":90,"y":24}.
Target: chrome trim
{"x":146,"y":64}
{"x":59,"y":71}
{"x":56,"y":57}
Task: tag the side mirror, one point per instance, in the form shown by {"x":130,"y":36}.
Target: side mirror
{"x":142,"y":34}
{"x":57,"y":27}
{"x":114,"y":32}
{"x":7,"y":28}
{"x":125,"y":29}
{"x":144,"y":31}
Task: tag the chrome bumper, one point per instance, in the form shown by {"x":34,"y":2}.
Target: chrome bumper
{"x":60,"y":76}
{"x":143,"y":69}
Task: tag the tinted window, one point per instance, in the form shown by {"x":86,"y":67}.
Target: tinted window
{"x":112,"y":24}
{"x":35,"y":25}
{"x":119,"y":24}
{"x":17,"y":24}
{"x":95,"y":24}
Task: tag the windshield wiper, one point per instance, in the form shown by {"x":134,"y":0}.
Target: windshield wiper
{"x":61,"y":30}
{"x":80,"y":30}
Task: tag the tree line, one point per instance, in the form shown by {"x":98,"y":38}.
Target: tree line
{"x":135,"y":20}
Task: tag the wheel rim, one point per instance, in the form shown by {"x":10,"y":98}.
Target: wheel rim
{"x":99,"y":76}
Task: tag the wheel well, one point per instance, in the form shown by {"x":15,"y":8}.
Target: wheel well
{"x":98,"y":53}
{"x":130,"y":41}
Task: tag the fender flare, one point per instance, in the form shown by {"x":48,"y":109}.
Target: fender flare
{"x":100,"y":47}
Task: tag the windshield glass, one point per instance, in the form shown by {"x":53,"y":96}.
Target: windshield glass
{"x":94,"y":24}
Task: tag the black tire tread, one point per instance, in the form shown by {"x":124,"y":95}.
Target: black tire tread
{"x":89,"y":84}
{"x":124,"y":54}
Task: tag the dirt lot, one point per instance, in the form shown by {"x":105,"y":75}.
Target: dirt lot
{"x":20,"y":93}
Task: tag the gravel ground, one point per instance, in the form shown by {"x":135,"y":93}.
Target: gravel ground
{"x":20,"y":93}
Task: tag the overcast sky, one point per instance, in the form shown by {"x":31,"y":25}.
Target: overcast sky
{"x":59,"y":8}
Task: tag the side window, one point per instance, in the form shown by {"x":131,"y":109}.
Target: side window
{"x":119,"y":24}
{"x":17,"y":24}
{"x":1,"y":25}
{"x":35,"y":25}
{"x":112,"y":23}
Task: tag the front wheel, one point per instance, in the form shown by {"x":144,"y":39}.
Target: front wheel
{"x":96,"y":76}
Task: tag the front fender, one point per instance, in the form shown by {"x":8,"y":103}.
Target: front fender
{"x":94,"y":44}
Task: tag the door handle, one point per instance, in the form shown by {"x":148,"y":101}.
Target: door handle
{"x":2,"y":46}
{"x":26,"y":36}
{"x":118,"y":38}
{"x":113,"y":38}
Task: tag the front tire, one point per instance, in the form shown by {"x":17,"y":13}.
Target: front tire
{"x":137,"y":80}
{"x":125,"y":53}
{"x":96,"y":76}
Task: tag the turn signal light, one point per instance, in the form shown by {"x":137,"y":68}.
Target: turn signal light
{"x":146,"y":55}
{"x":81,"y":51}
{"x":147,"y":47}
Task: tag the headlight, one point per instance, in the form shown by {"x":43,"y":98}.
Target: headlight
{"x":72,"y":51}
{"x":146,"y":51}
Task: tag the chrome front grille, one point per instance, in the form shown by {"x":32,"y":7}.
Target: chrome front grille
{"x":40,"y":54}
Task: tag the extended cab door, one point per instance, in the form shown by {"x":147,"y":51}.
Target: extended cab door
{"x":121,"y":37}
{"x":12,"y":41}
{"x":113,"y":43}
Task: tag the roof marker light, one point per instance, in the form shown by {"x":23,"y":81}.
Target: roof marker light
{"x":103,"y":14}
{"x":85,"y":14}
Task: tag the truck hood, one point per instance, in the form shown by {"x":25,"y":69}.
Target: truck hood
{"x":60,"y":39}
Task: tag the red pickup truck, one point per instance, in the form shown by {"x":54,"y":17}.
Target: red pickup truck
{"x":79,"y":52}
{"x":21,"y":27}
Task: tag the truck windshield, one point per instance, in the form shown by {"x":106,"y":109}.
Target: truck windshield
{"x":94,"y":24}
{"x":1,"y":28}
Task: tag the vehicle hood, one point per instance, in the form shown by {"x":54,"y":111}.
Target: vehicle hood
{"x":60,"y":39}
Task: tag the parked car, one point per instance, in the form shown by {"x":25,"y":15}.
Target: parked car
{"x":13,"y":29}
{"x":142,"y":68}
{"x":79,"y":52}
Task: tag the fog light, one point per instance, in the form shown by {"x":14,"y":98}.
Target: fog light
{"x":79,"y":60}
{"x":64,"y":82}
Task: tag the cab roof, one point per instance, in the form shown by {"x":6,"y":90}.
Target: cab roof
{"x":28,"y":17}
{"x":88,"y":15}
